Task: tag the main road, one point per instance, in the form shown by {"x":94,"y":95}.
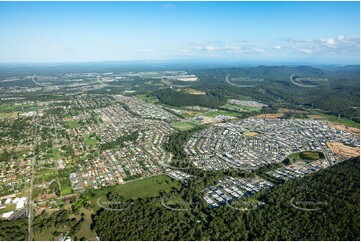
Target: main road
{"x":30,"y":199}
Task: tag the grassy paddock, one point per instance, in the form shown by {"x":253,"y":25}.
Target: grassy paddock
{"x":143,"y":188}
{"x":334,"y":119}
{"x":183,"y":126}
{"x":147,"y":99}
{"x":89,"y":141}
{"x":9,"y":115}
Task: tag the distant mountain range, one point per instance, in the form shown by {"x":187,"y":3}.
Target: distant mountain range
{"x":253,"y":68}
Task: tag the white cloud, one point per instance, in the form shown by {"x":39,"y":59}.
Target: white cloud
{"x":353,"y":41}
{"x":217,"y":48}
{"x":341,"y":37}
{"x":327,"y":46}
{"x":329,"y":42}
{"x":258,"y":50}
{"x":277,"y":47}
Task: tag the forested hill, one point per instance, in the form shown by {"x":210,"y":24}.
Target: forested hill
{"x":334,"y":90}
{"x":282,"y":73}
{"x":334,"y":192}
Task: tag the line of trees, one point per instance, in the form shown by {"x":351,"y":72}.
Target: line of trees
{"x":334,"y":191}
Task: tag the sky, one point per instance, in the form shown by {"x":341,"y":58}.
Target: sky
{"x":315,"y":32}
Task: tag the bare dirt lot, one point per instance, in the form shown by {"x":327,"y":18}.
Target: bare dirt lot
{"x":344,"y":150}
{"x":313,"y":116}
{"x":250,"y":134}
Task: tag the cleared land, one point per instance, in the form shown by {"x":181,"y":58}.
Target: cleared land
{"x":250,"y":134}
{"x":194,"y":91}
{"x":353,"y":130}
{"x":9,"y":115}
{"x":344,"y":150}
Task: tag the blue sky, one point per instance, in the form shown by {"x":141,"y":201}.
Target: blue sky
{"x":318,"y":32}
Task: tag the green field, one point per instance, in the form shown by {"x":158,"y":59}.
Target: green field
{"x":89,"y":141}
{"x":72,"y":123}
{"x":66,"y":190}
{"x":13,"y":108}
{"x":147,"y":99}
{"x":143,"y":188}
{"x":310,"y":155}
{"x":222,"y":112}
{"x":303,"y":157}
{"x":343,"y":121}
{"x":147,"y":187}
{"x":183,"y":126}
{"x":8,"y":208}
{"x":56,"y":154}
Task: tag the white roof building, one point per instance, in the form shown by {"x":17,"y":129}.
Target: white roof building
{"x":21,"y":203}
{"x":8,"y":214}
